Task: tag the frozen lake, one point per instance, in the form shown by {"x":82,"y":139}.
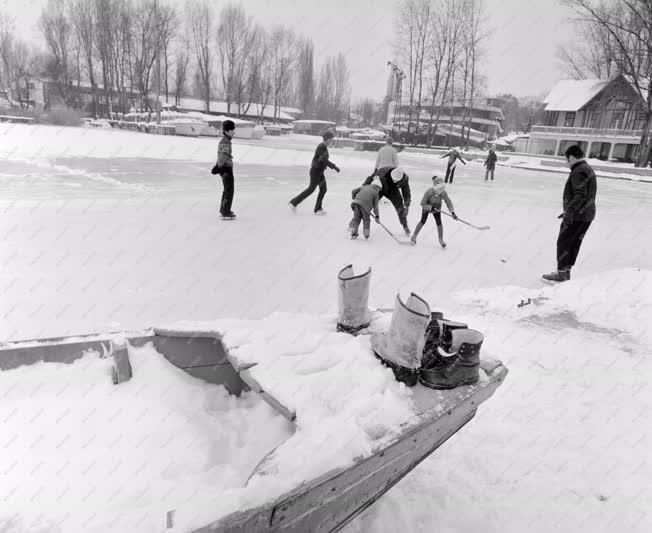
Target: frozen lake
{"x":106,"y":230}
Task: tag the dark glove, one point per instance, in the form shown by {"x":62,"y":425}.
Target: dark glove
{"x":561,"y":216}
{"x":215,"y":170}
{"x":336,"y":169}
{"x":377,"y":217}
{"x":454,"y":216}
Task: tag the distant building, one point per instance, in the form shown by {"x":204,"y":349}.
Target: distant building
{"x":604,"y":117}
{"x":483,"y":115}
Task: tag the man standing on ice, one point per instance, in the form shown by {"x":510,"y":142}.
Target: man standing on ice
{"x":453,"y":156}
{"x":317,"y":179}
{"x":579,"y":212}
{"x":387,"y":155}
{"x":396,"y":188}
{"x":224,"y":168}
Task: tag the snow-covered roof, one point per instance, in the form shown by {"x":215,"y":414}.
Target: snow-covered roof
{"x":215,"y":106}
{"x":313,"y":122}
{"x":572,"y":95}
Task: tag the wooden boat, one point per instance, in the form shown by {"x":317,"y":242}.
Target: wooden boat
{"x":317,"y":505}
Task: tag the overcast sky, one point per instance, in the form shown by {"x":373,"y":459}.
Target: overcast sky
{"x":519,"y":52}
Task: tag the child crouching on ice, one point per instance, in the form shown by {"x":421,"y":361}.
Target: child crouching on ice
{"x":364,"y":201}
{"x":431,"y":203}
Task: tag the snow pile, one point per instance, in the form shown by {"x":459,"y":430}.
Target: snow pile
{"x":80,"y":454}
{"x":20,"y":142}
{"x":339,"y":391}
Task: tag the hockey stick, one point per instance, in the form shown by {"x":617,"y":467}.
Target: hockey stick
{"x":384,"y":227}
{"x":460,"y":220}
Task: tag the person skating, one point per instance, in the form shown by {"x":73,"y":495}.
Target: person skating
{"x":224,"y":167}
{"x":364,"y":202}
{"x":453,"y":157}
{"x":319,"y":164}
{"x":579,"y":212}
{"x":396,"y":188}
{"x":490,"y":163}
{"x":387,"y":155}
{"x":431,"y":203}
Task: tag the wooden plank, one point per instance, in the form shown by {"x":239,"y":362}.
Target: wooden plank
{"x":273,"y":402}
{"x":326,"y":503}
{"x":121,"y":365}
{"x":59,"y":352}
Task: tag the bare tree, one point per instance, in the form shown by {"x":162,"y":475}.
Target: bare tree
{"x":181,"y":69}
{"x":282,"y":58}
{"x":446,"y":29}
{"x":305,"y":78}
{"x":236,"y":37}
{"x":592,"y":56}
{"x":254,"y":79}
{"x":27,"y":65}
{"x":56,"y":30}
{"x":629,"y":24}
{"x":201,"y":21}
{"x":81,"y":14}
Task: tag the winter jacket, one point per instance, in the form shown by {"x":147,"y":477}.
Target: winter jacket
{"x":387,"y":157}
{"x":432,"y":200}
{"x":453,"y":156}
{"x":367,"y":198}
{"x":579,"y":193}
{"x":224,"y":153}
{"x":490,"y":162}
{"x":391,"y":189}
{"x":320,"y":159}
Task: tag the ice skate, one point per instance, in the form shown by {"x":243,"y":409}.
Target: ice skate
{"x":293,"y":207}
{"x":228,"y":216}
{"x":320,"y":212}
{"x":558,"y":275}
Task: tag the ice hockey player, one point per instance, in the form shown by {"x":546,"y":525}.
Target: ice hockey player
{"x":431,"y":203}
{"x":453,"y":156}
{"x":320,"y":162}
{"x":490,"y":163}
{"x":364,"y":202}
{"x":396,"y":188}
{"x":579,"y":212}
{"x":387,"y":155}
{"x":224,"y":167}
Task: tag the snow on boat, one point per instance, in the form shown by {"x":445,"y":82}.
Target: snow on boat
{"x":328,"y":384}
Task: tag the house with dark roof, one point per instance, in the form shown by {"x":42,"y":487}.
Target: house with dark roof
{"x":604,"y":117}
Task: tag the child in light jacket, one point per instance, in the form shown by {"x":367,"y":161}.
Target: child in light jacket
{"x":431,"y":203}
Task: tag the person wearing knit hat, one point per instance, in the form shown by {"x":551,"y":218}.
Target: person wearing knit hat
{"x":431,"y":203}
{"x":320,"y":162}
{"x":365,"y":200}
{"x":396,"y":188}
{"x":224,"y":167}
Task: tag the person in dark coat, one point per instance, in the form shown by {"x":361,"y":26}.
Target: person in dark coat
{"x":579,"y":212}
{"x":490,"y":163}
{"x":453,"y":157}
{"x":319,"y":164}
{"x":396,"y":188}
{"x":224,"y":167}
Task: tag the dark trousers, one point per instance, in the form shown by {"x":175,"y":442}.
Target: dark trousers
{"x":569,"y":242}
{"x":486,"y":175}
{"x":317,"y":179}
{"x":436,"y":215}
{"x":450,"y":173}
{"x":227,"y":193}
{"x":397,"y":201}
{"x":360,"y":214}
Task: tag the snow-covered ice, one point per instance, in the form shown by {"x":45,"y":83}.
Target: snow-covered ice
{"x":103,"y":230}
